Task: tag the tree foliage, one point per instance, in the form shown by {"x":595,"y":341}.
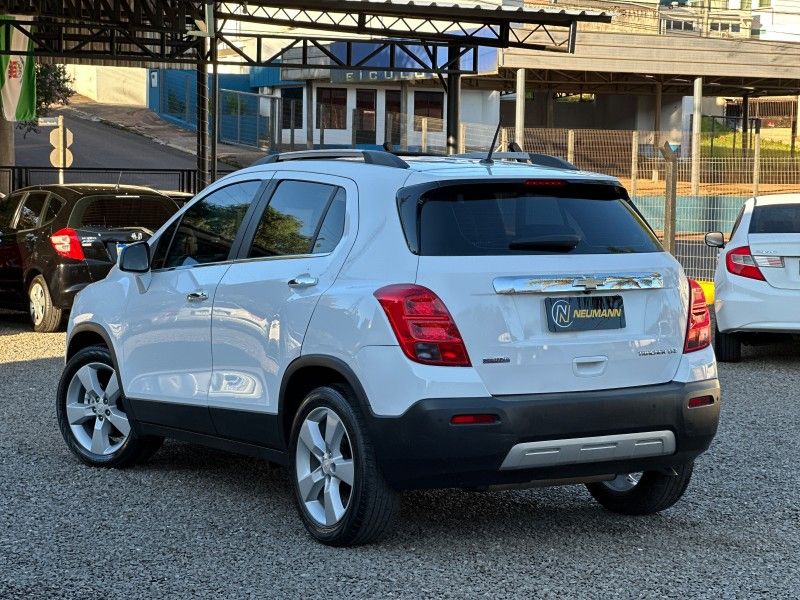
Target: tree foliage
{"x":53,"y":88}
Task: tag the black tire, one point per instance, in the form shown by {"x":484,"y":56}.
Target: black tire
{"x":655,"y":491}
{"x":128,"y":451}
{"x":50,"y":318}
{"x":727,"y":346}
{"x":372,"y":505}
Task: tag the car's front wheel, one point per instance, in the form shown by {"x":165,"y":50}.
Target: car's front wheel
{"x":339,"y":490}
{"x":92,"y":416}
{"x":642,"y":493}
{"x":45,"y":316}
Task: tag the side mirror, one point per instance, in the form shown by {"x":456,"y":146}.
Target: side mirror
{"x":135,"y":258}
{"x":715,"y":239}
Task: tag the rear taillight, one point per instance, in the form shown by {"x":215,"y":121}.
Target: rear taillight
{"x":423,"y":325}
{"x":740,"y":262}
{"x":698,"y":330}
{"x":66,"y":243}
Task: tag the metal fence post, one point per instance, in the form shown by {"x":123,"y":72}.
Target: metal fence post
{"x":634,"y":162}
{"x":462,"y":138}
{"x":571,"y":146}
{"x":323,"y":112}
{"x":424,"y":135}
{"x":292,"y":108}
{"x":670,"y":196}
{"x":355,"y":127}
{"x":757,"y":158}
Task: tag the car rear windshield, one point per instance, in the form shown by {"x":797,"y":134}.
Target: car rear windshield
{"x":776,"y":218}
{"x":515,"y":218}
{"x":122,"y":212}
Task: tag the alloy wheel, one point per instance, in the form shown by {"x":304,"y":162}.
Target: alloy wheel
{"x":94,"y":409}
{"x":623,"y":482}
{"x":37,"y":302}
{"x":324,"y":466}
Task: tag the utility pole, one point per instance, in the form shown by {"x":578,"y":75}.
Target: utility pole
{"x":6,"y":152}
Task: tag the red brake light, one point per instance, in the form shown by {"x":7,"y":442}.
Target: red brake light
{"x":740,"y":262}
{"x":698,"y":330}
{"x":66,"y":243}
{"x":423,"y":325}
{"x":545,"y":183}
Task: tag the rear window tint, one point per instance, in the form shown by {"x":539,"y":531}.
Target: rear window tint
{"x":112,"y":212}
{"x":510,"y":219}
{"x":777,"y":218}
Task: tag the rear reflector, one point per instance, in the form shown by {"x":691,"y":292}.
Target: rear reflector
{"x":701,"y":401}
{"x":740,"y":262}
{"x":473,"y":419}
{"x":698,"y":328}
{"x":67,"y":244}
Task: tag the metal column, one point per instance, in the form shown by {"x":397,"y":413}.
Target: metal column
{"x":745,"y":124}
{"x":201,"y":109}
{"x":453,"y":99}
{"x":697,"y":116}
{"x":215,"y":109}
{"x":519,"y":110}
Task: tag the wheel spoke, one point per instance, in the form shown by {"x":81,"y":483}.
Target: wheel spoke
{"x":112,"y":390}
{"x":344,"y":469}
{"x":88,"y":376}
{"x":334,"y":430}
{"x":100,"y":441}
{"x":311,"y":485}
{"x":312,"y":438}
{"x":78,"y":412}
{"x":334,"y":509}
{"x":119,"y":420}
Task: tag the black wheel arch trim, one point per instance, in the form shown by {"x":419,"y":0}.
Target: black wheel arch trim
{"x":329,"y":362}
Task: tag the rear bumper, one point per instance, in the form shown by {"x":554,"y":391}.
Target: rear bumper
{"x":66,"y":280}
{"x":748,"y":305}
{"x":422,"y":449}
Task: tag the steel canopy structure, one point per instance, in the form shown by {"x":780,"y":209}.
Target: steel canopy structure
{"x":441,"y":37}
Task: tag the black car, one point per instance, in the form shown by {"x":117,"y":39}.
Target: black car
{"x":57,"y":239}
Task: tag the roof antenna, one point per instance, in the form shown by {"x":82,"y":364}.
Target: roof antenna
{"x":488,"y":160}
{"x":118,"y":180}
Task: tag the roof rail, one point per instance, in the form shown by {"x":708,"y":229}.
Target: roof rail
{"x":543,"y":160}
{"x":370,"y":157}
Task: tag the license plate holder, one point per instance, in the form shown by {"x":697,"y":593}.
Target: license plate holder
{"x":584,"y":313}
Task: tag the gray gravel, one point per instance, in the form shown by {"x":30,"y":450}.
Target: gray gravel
{"x":201,"y":523}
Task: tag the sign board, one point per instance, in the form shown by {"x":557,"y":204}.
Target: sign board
{"x":55,"y":159}
{"x":47,"y":121}
{"x":55,"y":138}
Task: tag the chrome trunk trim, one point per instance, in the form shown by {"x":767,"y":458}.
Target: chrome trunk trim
{"x":575,"y":451}
{"x":549,"y":284}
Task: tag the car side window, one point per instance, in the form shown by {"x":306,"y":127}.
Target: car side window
{"x":31,"y":210}
{"x":162,"y":245}
{"x":736,"y":222}
{"x":302,"y":217}
{"x":54,"y":205}
{"x":8,"y":209}
{"x":208,"y":228}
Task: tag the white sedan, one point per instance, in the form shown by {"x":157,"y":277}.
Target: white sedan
{"x":757,"y":281}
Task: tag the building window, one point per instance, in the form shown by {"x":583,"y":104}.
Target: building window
{"x":431,"y":105}
{"x":292,"y":98}
{"x":332,"y":108}
{"x":735,"y":28}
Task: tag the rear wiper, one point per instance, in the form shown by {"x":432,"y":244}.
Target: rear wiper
{"x":546,"y":242}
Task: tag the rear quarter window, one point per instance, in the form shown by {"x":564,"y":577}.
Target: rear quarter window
{"x":510,"y":218}
{"x":776,"y":218}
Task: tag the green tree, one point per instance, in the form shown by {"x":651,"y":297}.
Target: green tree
{"x":53,"y":88}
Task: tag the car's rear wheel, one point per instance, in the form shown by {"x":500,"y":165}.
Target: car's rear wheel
{"x":45,"y":317}
{"x":642,"y":493}
{"x":727,"y":346}
{"x":92,"y":416}
{"x":340,"y":493}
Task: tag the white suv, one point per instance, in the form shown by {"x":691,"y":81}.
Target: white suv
{"x":757,"y":282}
{"x":378,"y":324}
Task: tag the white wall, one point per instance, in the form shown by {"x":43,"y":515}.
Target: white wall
{"x":780,"y":22}
{"x":110,"y":85}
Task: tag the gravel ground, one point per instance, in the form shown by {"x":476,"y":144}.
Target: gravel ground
{"x":200,"y":523}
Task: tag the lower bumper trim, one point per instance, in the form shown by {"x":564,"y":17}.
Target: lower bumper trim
{"x":574,"y":451}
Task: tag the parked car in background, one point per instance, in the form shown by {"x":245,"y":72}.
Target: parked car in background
{"x":757,"y":281}
{"x":381,"y":324}
{"x":56,"y":239}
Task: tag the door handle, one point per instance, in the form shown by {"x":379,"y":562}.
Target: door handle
{"x":197,"y":296}
{"x":303,"y":281}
